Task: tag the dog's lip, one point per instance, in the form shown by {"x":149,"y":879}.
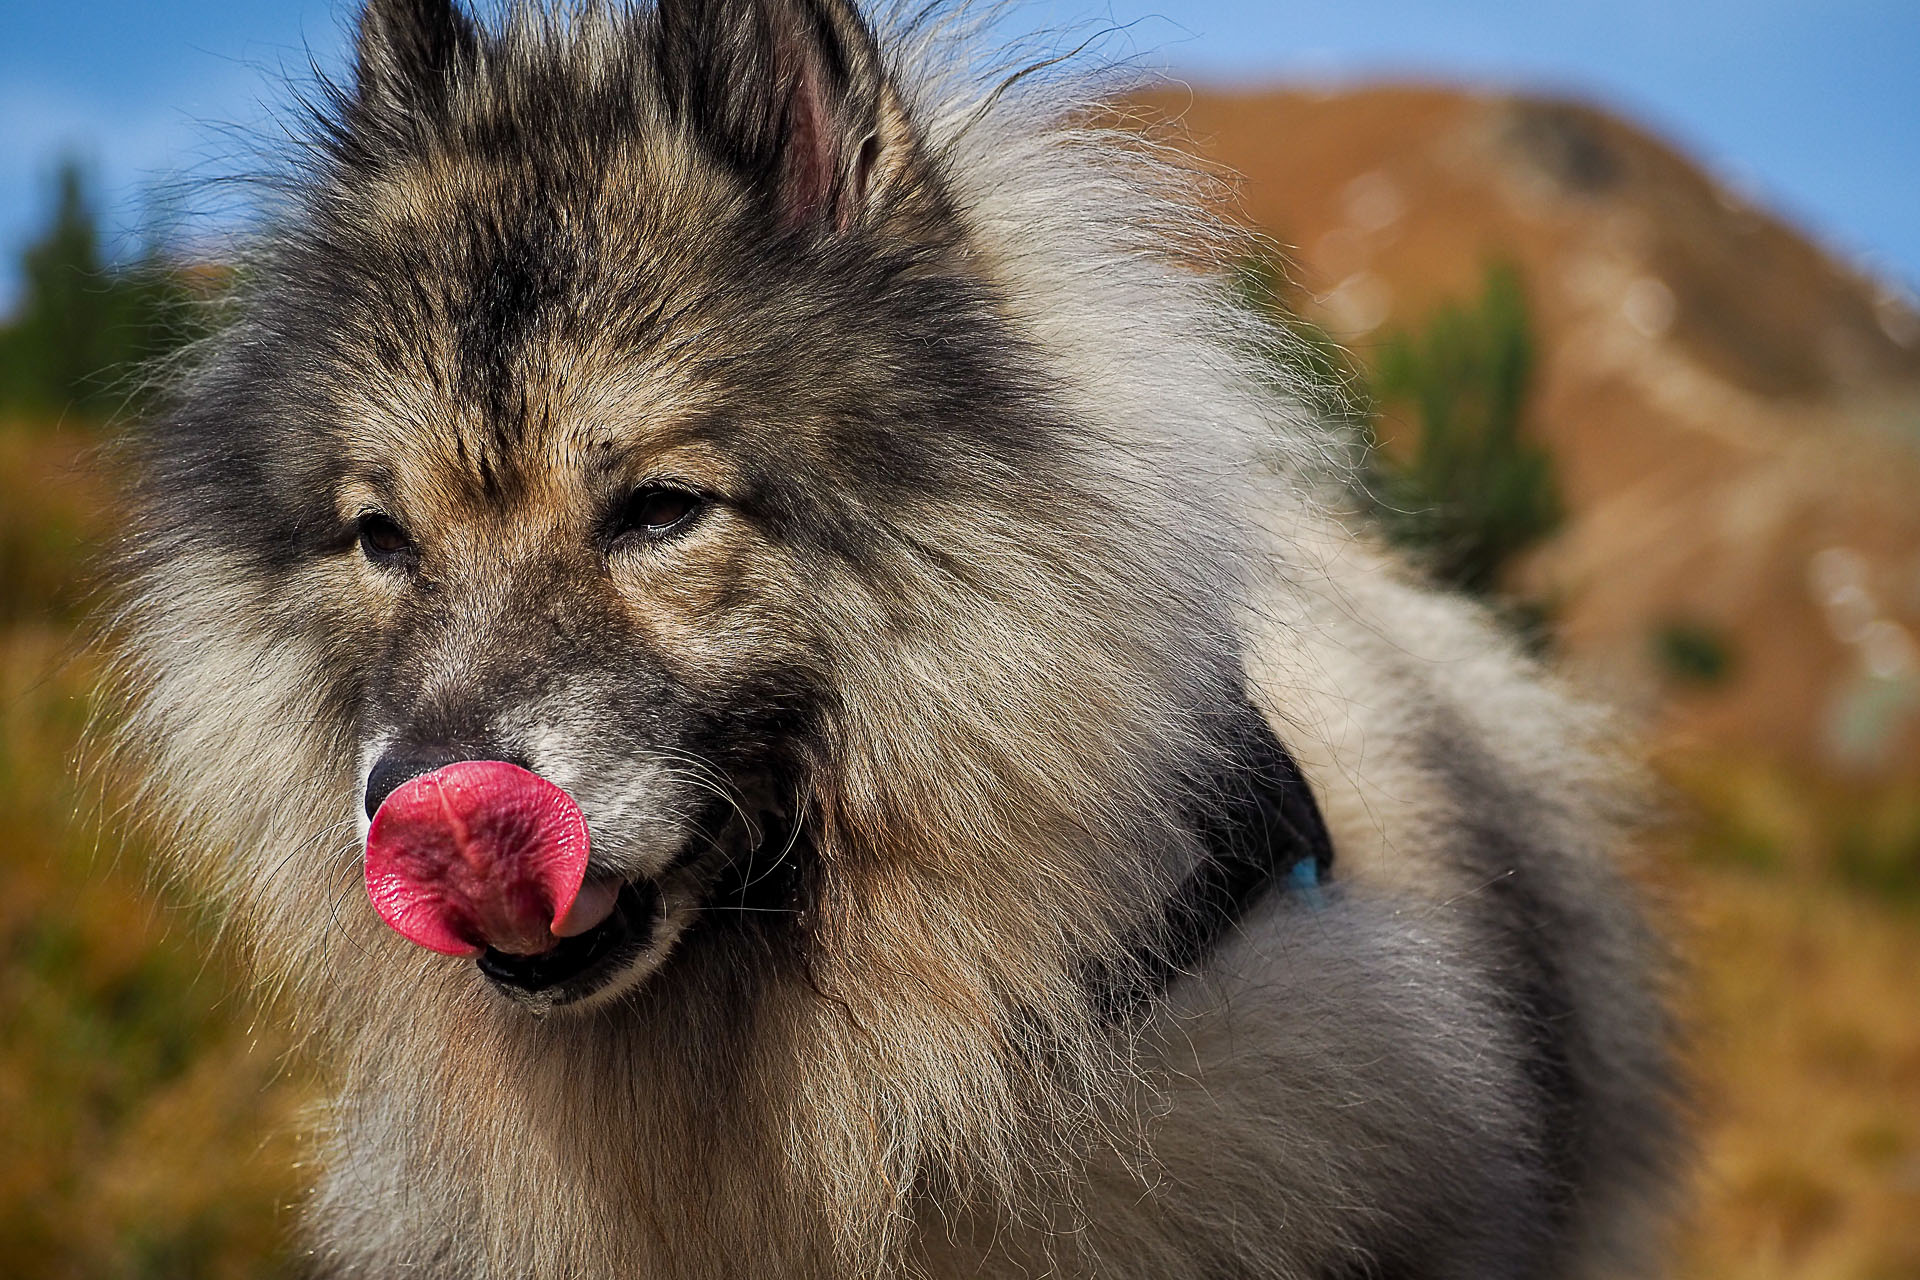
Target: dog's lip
{"x":584,"y":963}
{"x":613,"y":927}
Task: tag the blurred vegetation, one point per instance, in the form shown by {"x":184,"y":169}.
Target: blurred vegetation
{"x":1694,"y":653}
{"x":1469,"y":492}
{"x":86,"y":327}
{"x":145,"y":1129}
{"x":45,"y":532}
{"x":148,"y":1127}
{"x":1463,"y":491}
{"x":1796,"y":902}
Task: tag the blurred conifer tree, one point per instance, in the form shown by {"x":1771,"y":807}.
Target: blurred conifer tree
{"x":85,"y":326}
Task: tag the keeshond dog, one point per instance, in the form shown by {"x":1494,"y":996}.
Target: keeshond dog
{"x":765,"y":657}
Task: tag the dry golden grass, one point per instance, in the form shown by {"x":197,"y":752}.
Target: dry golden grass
{"x":1808,"y":1054}
{"x":144,"y":1126}
{"x":147,"y":1122}
{"x":1803,"y":939}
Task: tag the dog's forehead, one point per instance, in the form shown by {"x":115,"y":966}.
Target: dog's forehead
{"x":527,"y":330}
{"x":488,"y":261}
{"x":563,"y":441}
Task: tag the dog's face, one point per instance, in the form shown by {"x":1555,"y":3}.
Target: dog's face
{"x":611,"y":597}
{"x":592,"y":413}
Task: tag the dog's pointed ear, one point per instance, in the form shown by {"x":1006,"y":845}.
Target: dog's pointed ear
{"x":407,"y":53}
{"x":793,"y":95}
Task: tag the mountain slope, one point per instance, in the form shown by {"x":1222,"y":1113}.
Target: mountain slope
{"x":1735,"y":414}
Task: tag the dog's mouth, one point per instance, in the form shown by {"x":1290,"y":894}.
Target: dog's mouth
{"x":737,"y":872}
{"x":583,"y":966}
{"x":490,"y":862}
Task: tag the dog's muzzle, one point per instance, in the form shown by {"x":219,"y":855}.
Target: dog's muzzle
{"x":486,"y":860}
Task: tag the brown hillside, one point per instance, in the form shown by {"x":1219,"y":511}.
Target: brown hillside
{"x":1735,"y":415}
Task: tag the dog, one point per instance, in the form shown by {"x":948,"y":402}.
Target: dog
{"x":763,"y":651}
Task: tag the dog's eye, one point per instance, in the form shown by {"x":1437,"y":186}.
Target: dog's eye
{"x":657,"y":511}
{"x":382,"y":541}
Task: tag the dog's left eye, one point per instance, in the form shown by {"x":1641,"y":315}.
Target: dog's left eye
{"x":382,"y":541}
{"x":657,"y":511}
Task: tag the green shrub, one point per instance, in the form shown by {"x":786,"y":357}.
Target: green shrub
{"x":85,"y":327}
{"x":1469,"y":491}
{"x":1693,"y":653}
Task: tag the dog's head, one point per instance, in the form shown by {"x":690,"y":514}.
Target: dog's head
{"x":628,"y":481}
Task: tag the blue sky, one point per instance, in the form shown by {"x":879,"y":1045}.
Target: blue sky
{"x":1812,"y":107}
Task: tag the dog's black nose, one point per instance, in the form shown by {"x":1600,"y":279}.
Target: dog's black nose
{"x":404,"y":762}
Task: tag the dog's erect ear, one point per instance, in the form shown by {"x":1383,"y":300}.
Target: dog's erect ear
{"x":406,"y":55}
{"x":793,"y":95}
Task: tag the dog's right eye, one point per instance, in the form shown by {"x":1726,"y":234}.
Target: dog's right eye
{"x":382,"y":541}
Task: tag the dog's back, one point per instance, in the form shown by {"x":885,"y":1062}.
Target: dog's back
{"x":1458,"y":1066}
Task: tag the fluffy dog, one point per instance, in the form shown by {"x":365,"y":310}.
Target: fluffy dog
{"x":744,"y":623}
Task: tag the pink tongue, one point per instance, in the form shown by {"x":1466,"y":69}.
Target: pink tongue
{"x":478,"y":854}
